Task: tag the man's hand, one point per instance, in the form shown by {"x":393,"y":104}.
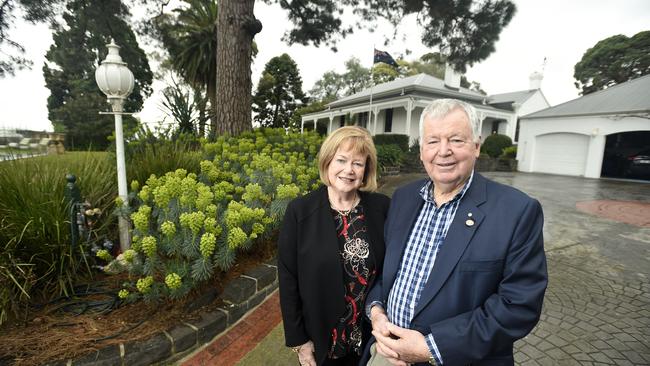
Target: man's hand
{"x":379,"y":320}
{"x":402,"y":346}
{"x":306,"y":354}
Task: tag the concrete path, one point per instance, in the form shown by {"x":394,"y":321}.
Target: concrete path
{"x":597,"y":306}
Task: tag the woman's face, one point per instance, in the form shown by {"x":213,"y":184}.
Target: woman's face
{"x":346,"y":170}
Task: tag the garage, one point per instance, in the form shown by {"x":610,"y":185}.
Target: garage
{"x":561,"y":153}
{"x":624,"y":155}
{"x":602,"y":134}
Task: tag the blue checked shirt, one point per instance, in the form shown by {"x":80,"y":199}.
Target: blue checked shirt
{"x":424,"y":243}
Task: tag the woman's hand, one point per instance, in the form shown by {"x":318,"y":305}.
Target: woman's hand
{"x":306,"y":354}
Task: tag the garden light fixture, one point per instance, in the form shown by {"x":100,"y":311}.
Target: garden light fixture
{"x":116,"y":81}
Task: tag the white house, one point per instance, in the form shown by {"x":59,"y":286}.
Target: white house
{"x":396,"y":106}
{"x":588,"y":136}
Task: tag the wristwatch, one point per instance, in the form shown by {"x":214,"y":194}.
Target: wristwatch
{"x":295,"y":349}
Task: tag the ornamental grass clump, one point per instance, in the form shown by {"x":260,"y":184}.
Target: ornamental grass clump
{"x":189,"y":226}
{"x":37,"y":260}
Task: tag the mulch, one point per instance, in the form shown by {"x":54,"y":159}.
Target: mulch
{"x":49,"y":334}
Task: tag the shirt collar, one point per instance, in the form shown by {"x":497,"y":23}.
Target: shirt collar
{"x":427,"y":193}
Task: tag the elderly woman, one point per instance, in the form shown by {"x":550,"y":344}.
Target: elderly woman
{"x":331,"y":248}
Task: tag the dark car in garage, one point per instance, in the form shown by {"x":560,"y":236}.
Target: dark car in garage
{"x":638,"y":164}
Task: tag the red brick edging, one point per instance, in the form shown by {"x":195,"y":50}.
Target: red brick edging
{"x":235,"y":343}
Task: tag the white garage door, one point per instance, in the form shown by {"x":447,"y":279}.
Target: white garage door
{"x":561,"y":153}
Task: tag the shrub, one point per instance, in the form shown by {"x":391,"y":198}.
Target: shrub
{"x":494,"y":145}
{"x":187,"y":225}
{"x":161,"y":157}
{"x":389,"y":155}
{"x":509,"y":152}
{"x":401,"y":141}
{"x":37,"y":258}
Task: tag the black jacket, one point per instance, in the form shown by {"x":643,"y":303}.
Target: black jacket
{"x":310,"y":269}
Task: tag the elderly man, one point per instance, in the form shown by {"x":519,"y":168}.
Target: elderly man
{"x":465,"y":271}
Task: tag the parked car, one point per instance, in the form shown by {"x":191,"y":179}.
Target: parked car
{"x":638,"y":164}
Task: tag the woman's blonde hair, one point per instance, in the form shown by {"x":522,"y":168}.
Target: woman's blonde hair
{"x":359,"y":141}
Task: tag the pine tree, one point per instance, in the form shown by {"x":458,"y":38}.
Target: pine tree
{"x":79,"y":47}
{"x":279,"y":92}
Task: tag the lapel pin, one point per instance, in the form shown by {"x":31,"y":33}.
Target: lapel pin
{"x":469,"y":222}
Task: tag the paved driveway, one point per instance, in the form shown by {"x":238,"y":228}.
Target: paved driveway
{"x":597,"y":306}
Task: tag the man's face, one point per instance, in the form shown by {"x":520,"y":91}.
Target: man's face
{"x":448,"y":151}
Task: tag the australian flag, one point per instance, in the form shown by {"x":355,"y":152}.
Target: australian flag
{"x":385,"y":57}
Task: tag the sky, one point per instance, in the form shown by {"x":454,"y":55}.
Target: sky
{"x":559,"y":31}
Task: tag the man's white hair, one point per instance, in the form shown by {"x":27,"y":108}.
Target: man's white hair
{"x":440,"y":108}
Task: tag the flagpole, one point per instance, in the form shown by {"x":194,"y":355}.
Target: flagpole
{"x":372,"y":84}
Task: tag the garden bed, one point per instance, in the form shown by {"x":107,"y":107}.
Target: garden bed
{"x":48,"y":335}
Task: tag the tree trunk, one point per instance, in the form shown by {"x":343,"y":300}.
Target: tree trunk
{"x":236,"y":27}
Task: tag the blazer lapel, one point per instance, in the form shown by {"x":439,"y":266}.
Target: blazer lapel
{"x":458,"y":237}
{"x":397,"y":239}
{"x":326,"y":238}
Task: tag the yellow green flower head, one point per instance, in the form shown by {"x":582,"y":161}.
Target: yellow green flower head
{"x":144,"y":284}
{"x":129,"y":255}
{"x":140,"y":221}
{"x":152,"y":181}
{"x":149,"y":246}
{"x":135,"y":185}
{"x":196,"y":221}
{"x":207,"y":244}
{"x":173,"y":281}
{"x":168,"y":228}
{"x":210,"y":225}
{"x":103,"y":254}
{"x":236,"y":237}
{"x":123,"y":294}
{"x":253,"y":192}
{"x":136,"y":245}
{"x":146,"y":210}
{"x":204,"y":196}
{"x":258,"y":228}
{"x":119,"y":202}
{"x":180,"y":173}
{"x":192,"y":176}
{"x":162,"y":196}
{"x":288,"y":191}
{"x":144,"y":194}
{"x":211,"y":210}
{"x":173,"y":185}
{"x":206,"y":166}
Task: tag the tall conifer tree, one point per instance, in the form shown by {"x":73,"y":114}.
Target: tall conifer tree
{"x":79,"y":47}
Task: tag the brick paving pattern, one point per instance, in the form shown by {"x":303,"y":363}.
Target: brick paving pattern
{"x":229,"y":348}
{"x":633,"y":213}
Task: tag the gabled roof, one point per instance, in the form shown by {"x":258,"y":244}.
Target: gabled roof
{"x":421,"y":82}
{"x":630,"y":97}
{"x":513,"y":97}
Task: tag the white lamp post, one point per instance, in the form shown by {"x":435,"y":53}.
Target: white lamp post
{"x":116,"y":81}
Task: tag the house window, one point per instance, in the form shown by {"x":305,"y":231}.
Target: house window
{"x":342,"y":120}
{"x":388,"y":121}
{"x":362,"y":119}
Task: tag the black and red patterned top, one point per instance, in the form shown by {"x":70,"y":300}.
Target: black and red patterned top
{"x":358,"y":271}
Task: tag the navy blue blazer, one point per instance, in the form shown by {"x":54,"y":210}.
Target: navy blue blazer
{"x":487,"y":285}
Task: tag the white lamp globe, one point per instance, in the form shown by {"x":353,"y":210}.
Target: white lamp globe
{"x":112,"y":76}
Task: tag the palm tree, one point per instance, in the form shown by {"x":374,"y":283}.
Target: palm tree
{"x":191,"y":40}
